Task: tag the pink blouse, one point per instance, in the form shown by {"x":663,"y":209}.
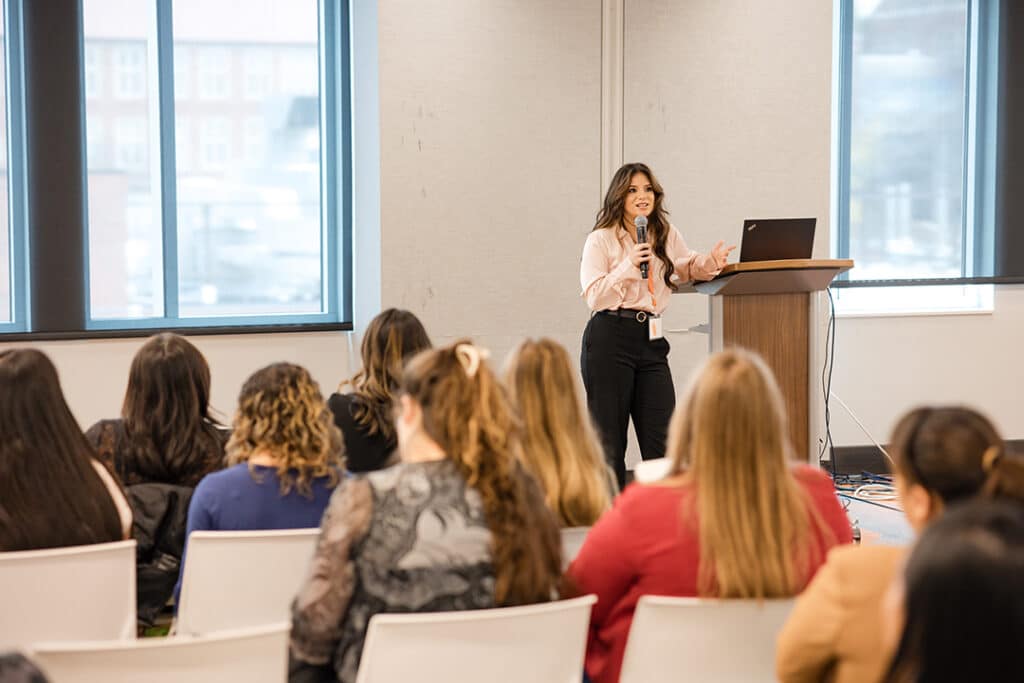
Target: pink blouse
{"x":610,"y":281}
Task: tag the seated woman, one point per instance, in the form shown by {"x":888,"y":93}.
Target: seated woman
{"x":364,"y":415}
{"x":956,"y":613}
{"x":164,"y":442}
{"x":53,"y":491}
{"x":940,"y":456}
{"x":443,"y":530}
{"x":286,"y":458}
{"x":735,"y":519}
{"x":560,"y":446}
{"x":165,"y":433}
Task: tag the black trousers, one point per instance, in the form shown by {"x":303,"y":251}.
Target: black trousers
{"x":626,"y":375}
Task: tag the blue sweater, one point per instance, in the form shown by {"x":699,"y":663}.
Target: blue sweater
{"x":235,"y":499}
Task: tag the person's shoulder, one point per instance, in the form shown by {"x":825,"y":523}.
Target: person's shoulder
{"x":813,"y":478}
{"x":601,"y":237}
{"x":105,"y":429}
{"x":640,"y":498}
{"x":228,"y":476}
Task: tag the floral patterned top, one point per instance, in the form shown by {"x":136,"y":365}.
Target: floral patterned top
{"x":411,"y":538}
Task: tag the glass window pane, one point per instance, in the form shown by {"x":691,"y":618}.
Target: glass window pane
{"x":5,"y":231}
{"x":249,"y":230}
{"x":907,"y":138}
{"x":125,"y":239}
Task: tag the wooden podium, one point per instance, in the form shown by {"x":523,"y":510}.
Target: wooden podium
{"x":767,"y":307}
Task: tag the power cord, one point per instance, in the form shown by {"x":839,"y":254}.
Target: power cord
{"x":826,"y":384}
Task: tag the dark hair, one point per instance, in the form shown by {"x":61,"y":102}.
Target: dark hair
{"x":964,"y":598}
{"x":956,"y":453}
{"x":391,"y":338}
{"x":170,"y":436}
{"x":613,"y":210}
{"x":50,"y":495}
{"x":468,"y":414}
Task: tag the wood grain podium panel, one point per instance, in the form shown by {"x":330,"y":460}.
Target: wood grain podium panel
{"x":776,"y":327}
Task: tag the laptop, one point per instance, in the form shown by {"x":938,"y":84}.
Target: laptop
{"x":777,"y":239}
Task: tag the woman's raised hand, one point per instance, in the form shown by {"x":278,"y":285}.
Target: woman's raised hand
{"x":720,"y":254}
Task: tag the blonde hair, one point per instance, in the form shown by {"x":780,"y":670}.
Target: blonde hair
{"x":467,"y":413}
{"x":754,"y":518}
{"x":280,"y":409}
{"x":560,"y":446}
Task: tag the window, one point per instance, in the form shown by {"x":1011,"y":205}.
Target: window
{"x":130,"y":68}
{"x":259,"y":73}
{"x":93,"y":71}
{"x":212,"y":203}
{"x":5,"y":231}
{"x":214,"y":83}
{"x":916,"y":95}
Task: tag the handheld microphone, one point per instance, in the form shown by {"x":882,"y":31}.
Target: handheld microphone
{"x":641,"y":236}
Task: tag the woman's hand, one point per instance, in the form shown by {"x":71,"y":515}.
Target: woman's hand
{"x":641,"y":254}
{"x":720,"y":254}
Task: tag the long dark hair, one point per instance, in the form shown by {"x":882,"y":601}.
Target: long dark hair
{"x":468,"y":414}
{"x":964,"y":598}
{"x":956,"y":453}
{"x":613,"y":211}
{"x":50,"y":495}
{"x":170,"y":436}
{"x":391,"y":338}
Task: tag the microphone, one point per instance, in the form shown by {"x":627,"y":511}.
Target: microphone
{"x":641,"y":236}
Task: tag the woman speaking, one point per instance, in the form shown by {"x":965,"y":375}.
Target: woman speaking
{"x":627,"y":283}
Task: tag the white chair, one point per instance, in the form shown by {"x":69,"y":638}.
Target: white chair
{"x":504,"y":645}
{"x":77,"y":593}
{"x":256,"y":655}
{"x":239,"y":579}
{"x":572,"y":541}
{"x":647,"y":471}
{"x":676,"y":639}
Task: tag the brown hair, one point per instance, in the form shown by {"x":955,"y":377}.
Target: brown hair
{"x":956,"y":453}
{"x":467,"y":413}
{"x":50,"y":494}
{"x":560,"y":446}
{"x":754,"y":519}
{"x":280,"y":409}
{"x":391,"y":338}
{"x":613,"y":211}
{"x":170,"y":435}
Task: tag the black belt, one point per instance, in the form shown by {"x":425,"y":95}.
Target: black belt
{"x":639,"y":316}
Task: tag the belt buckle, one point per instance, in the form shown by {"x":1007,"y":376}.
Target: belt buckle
{"x":641,"y":317}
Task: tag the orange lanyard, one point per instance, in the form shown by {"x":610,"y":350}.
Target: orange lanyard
{"x":650,"y":287}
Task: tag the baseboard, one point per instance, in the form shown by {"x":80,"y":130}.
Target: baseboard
{"x":857,"y":459}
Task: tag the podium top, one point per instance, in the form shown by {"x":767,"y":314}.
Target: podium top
{"x":774,"y":277}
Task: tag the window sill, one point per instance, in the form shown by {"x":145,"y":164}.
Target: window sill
{"x":927,"y":301}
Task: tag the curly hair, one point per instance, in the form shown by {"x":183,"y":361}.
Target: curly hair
{"x":281,"y":410}
{"x":468,"y":414}
{"x":391,"y":338}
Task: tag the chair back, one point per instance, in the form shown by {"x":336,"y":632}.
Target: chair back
{"x":647,"y":471}
{"x":727,"y":641}
{"x":542,"y":642}
{"x":77,"y":593}
{"x":241,"y":579}
{"x":572,"y":541}
{"x":257,"y":655}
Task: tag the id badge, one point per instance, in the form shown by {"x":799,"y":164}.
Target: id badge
{"x":654,"y":329}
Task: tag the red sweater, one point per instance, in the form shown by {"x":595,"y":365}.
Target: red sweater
{"x":643,"y":547}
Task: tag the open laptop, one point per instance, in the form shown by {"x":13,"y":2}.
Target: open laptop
{"x":777,"y":239}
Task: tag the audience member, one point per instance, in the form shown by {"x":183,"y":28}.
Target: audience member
{"x":285,"y":457}
{"x":364,"y":415}
{"x":53,"y":491}
{"x":165,"y":433}
{"x":457,"y":525}
{"x":957,"y":611}
{"x":560,"y":446}
{"x":735,"y":518}
{"x":941,"y":456}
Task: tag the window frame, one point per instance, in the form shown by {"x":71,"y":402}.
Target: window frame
{"x":980,"y":149}
{"x":334,"y":79}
